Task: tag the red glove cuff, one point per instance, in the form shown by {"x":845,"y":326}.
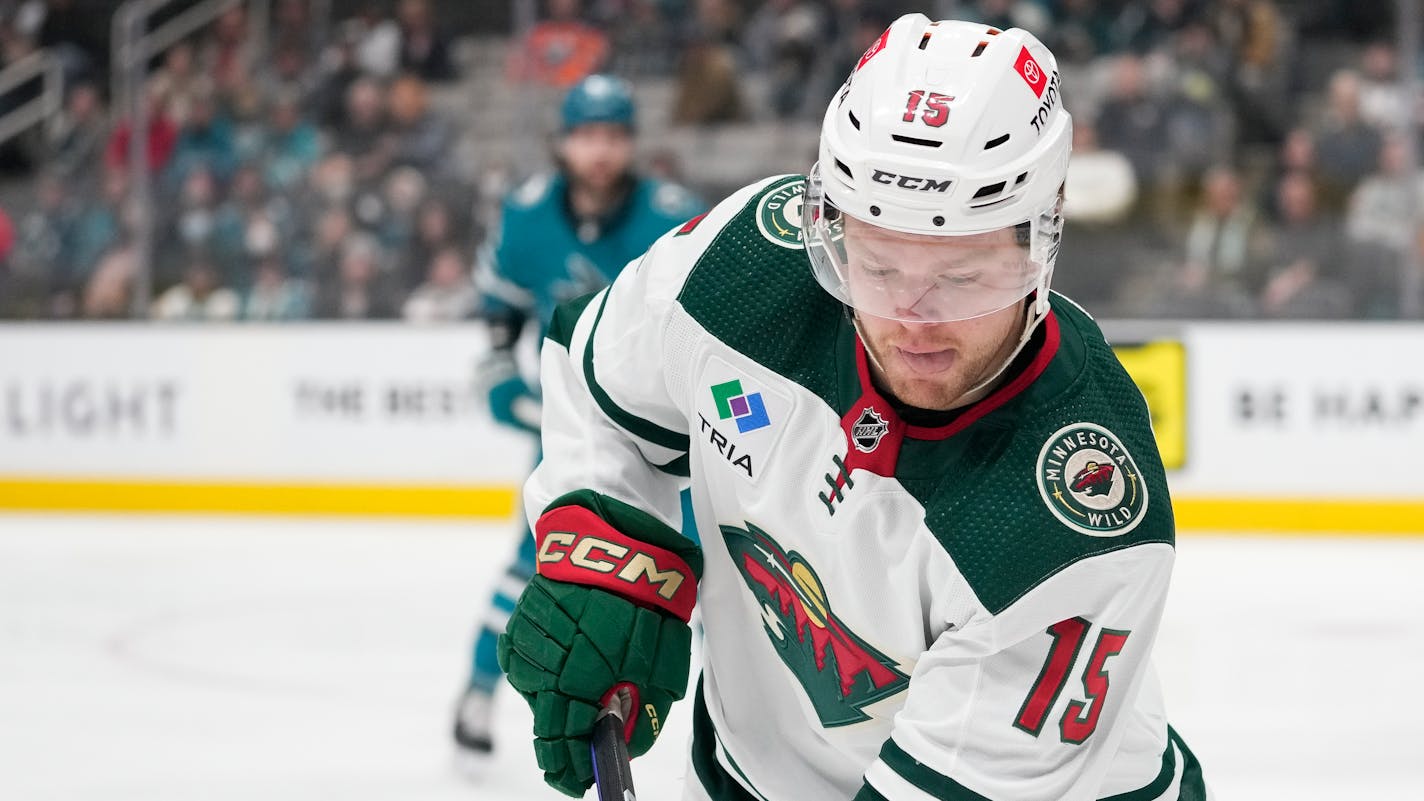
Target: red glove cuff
{"x":579,"y":547}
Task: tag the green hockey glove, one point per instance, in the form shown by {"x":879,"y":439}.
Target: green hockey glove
{"x":605,"y":619}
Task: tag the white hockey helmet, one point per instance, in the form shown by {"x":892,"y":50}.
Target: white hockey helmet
{"x":944,"y":130}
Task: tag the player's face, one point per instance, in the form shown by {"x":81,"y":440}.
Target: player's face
{"x":597,"y":155}
{"x":933,"y":365}
{"x":930,"y":279}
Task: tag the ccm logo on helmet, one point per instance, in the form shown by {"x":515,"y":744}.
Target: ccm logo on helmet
{"x":911,"y":182}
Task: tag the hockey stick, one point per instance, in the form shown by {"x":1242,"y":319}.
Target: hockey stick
{"x":611,"y":773}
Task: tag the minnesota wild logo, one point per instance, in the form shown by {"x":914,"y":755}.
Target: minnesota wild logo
{"x":778,"y":215}
{"x":1090,"y":481}
{"x":840,"y":672}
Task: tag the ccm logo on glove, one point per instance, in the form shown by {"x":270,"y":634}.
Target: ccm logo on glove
{"x":578,"y":546}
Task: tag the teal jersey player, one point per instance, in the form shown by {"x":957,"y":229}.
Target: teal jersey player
{"x":544,"y":254}
{"x":562,"y":235}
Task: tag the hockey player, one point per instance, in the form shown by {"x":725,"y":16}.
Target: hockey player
{"x":561,"y":235}
{"x":936,"y":533}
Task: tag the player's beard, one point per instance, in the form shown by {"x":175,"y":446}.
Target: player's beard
{"x":940,"y":366}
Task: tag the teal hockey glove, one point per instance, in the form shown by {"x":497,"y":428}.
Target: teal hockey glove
{"x":511,"y":401}
{"x":605,"y":619}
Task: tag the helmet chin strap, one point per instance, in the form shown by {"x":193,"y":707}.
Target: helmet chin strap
{"x":1034,"y":314}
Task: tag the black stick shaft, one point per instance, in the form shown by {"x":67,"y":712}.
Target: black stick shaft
{"x":611,"y":773}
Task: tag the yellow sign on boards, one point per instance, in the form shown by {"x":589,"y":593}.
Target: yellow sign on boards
{"x":1160,"y":370}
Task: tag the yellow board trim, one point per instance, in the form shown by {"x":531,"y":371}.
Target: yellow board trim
{"x":355,"y":500}
{"x":1294,"y":516}
{"x":1298,"y":516}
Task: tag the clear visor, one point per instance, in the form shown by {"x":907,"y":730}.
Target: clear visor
{"x":918,"y":277}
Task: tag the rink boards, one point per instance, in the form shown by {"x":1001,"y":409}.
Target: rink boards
{"x":1289,"y":427}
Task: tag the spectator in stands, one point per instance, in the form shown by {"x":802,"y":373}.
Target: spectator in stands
{"x":1381,"y":228}
{"x":200,"y":297}
{"x":421,"y":138}
{"x":75,"y":138}
{"x":1223,"y":250}
{"x":97,"y":228}
{"x":1349,"y":147}
{"x":1378,"y":211}
{"x":434,"y":232}
{"x":364,"y":134}
{"x":206,"y":141}
{"x":1297,"y":155}
{"x":1133,"y":122}
{"x":424,"y":49}
{"x":1101,"y":186}
{"x":360,"y":291}
{"x":330,"y":184}
{"x":332,"y":80}
{"x":1004,"y":14}
{"x":560,"y":50}
{"x":290,"y":72}
{"x":162,"y":137}
{"x":321,"y":255}
{"x":708,"y":86}
{"x":40,"y":254}
{"x":228,"y":55}
{"x":17,"y":298}
{"x":192,"y":224}
{"x":376,"y":40}
{"x":1382,"y":96}
{"x":642,"y":39}
{"x":448,"y":295}
{"x":1099,"y":196}
{"x":274,"y":295}
{"x":401,"y":194}
{"x":1305,"y":260}
{"x":182,"y":82}
{"x":108,"y":292}
{"x":1081,"y":30}
{"x":245,"y":109}
{"x":1254,"y":36}
{"x":1198,"y":119}
{"x":295,"y":31}
{"x":1145,"y":27}
{"x":785,"y":39}
{"x":292,"y":145}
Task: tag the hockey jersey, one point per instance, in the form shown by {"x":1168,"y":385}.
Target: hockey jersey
{"x":542,"y":256}
{"x":892,"y":610}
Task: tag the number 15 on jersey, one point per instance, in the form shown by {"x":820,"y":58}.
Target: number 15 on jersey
{"x":1081,"y":717}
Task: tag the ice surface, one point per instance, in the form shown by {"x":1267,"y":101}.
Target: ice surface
{"x":180,"y":658}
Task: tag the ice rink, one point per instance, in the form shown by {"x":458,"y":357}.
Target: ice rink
{"x":180,"y":658}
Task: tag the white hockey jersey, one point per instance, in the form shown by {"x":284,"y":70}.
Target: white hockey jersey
{"x":894,"y":608}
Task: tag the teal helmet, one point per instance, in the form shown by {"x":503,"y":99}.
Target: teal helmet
{"x":598,"y":98}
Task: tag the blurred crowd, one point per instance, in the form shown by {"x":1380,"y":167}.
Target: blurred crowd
{"x":290,"y":179}
{"x":1233,"y":158}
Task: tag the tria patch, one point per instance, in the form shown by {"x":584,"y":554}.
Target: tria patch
{"x":868,"y":430}
{"x":739,"y":417}
{"x":1090,"y":481}
{"x":840,"y":671}
{"x":778,"y":215}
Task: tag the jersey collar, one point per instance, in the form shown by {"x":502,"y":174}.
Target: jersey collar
{"x":1007,"y":391}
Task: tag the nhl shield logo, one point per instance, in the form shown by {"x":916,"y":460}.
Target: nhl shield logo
{"x":868,"y":430}
{"x":1090,"y":482}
